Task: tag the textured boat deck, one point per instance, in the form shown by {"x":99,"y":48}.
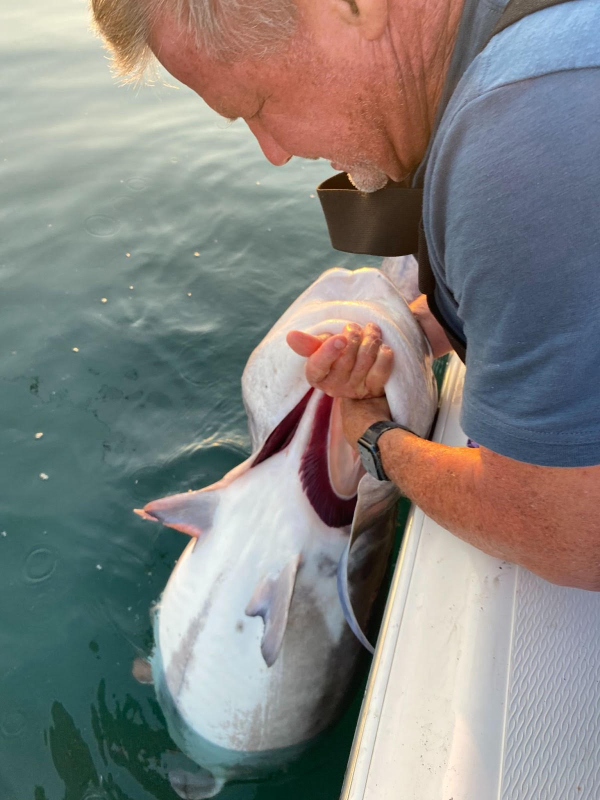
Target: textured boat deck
{"x":486,"y":679}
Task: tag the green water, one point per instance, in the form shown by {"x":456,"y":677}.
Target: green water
{"x":144,"y":198}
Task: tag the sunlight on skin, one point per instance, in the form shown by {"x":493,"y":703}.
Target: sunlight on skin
{"x":354,"y":364}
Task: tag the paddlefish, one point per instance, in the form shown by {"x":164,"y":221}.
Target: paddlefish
{"x":258,"y":631}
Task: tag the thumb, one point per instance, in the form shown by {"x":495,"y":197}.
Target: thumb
{"x":305,"y":344}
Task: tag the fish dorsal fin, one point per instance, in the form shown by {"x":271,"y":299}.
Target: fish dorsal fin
{"x":271,"y":601}
{"x":190,"y":512}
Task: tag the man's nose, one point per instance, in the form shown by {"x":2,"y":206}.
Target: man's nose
{"x":272,"y":151}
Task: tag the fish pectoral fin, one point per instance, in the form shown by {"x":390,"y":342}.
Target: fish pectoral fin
{"x":189,"y":512}
{"x":271,"y":601}
{"x":195,"y":785}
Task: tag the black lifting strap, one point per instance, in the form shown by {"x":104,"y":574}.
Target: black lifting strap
{"x":389,"y":222}
{"x":383,"y":223}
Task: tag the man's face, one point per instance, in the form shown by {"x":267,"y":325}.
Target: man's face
{"x":314,"y":100}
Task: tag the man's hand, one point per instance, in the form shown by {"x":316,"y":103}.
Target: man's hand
{"x":511,"y":510}
{"x":353,"y":364}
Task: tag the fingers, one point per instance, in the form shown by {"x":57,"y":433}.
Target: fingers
{"x":342,"y":368}
{"x":380,"y":372}
{"x":305,"y":344}
{"x":352,"y":364}
{"x":365,"y":358}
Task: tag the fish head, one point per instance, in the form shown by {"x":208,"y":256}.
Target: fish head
{"x":307,"y":444}
{"x":286,"y":416}
{"x":274,"y":382}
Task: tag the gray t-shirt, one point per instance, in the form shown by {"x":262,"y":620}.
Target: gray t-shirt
{"x":512,"y":219}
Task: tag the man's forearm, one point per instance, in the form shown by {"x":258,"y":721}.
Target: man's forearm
{"x":523,"y":514}
{"x":443,"y":481}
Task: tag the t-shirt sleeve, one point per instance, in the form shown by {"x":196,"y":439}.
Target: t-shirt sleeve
{"x":516,"y":185}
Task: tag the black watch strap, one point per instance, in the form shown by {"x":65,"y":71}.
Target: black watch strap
{"x":378,"y":428}
{"x":369,"y":449}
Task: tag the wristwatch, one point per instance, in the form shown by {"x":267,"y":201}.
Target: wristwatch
{"x":368,"y":449}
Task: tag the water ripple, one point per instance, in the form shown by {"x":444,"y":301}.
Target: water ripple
{"x":101,"y":225}
{"x":39,"y":565}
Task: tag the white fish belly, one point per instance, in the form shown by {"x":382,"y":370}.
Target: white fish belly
{"x":211,"y":650}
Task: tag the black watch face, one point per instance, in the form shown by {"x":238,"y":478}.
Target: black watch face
{"x":370,"y":459}
{"x":366,"y":456}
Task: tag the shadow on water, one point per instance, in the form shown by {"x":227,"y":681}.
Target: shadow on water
{"x":124,"y":737}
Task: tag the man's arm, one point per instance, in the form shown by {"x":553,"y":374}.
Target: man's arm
{"x":544,"y":518}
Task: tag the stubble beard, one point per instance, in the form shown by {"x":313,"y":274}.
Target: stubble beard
{"x":367,"y":178}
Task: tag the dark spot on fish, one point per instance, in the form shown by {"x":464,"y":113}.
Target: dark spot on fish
{"x":239,"y":626}
{"x":94,"y":646}
{"x":327,"y":566}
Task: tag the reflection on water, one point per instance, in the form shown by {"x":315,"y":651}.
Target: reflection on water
{"x":71,"y":756}
{"x":146,"y":248}
{"x":123,"y":736}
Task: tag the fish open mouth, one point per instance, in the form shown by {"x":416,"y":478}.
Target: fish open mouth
{"x":329,"y":470}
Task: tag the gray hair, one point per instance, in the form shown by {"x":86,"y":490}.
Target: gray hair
{"x":228,"y":29}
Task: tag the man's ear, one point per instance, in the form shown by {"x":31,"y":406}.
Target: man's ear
{"x":370,"y":16}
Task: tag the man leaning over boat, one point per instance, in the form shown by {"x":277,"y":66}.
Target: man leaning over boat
{"x":502,"y":133}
